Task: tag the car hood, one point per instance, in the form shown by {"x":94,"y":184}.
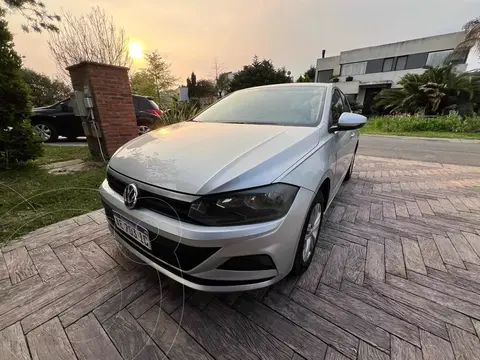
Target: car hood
{"x":42,"y":110}
{"x":204,"y":158}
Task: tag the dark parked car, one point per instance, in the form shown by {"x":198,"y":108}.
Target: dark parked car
{"x":59,"y":120}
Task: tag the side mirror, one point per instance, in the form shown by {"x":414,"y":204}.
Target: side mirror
{"x":349,"y":121}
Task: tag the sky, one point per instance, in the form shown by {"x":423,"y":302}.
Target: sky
{"x":292,"y":33}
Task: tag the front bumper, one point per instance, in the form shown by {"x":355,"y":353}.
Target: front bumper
{"x":277,"y":239}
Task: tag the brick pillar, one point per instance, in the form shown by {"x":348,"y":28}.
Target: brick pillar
{"x":113,"y":105}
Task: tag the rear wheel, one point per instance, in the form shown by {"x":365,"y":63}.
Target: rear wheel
{"x":46,"y":131}
{"x":309,"y":235}
{"x":143,"y":127}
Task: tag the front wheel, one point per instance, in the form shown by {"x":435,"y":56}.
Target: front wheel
{"x":46,"y":131}
{"x":309,"y":235}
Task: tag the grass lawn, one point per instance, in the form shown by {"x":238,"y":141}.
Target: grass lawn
{"x":432,"y":134}
{"x":444,"y":126}
{"x":31,"y":198}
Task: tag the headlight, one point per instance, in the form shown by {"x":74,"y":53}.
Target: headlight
{"x":244,"y":207}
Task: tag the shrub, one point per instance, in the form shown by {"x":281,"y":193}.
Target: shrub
{"x":177,"y":112}
{"x":408,"y":123}
{"x":19,"y":144}
{"x":435,"y":91}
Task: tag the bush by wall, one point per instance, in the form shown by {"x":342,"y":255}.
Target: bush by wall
{"x":18,"y":141}
{"x":19,"y":144}
{"x":407,"y":123}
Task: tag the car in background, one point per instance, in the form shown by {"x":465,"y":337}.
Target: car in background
{"x":58,"y":119}
{"x":238,"y":203}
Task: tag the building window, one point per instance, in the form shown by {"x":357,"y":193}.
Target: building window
{"x":401,"y":63}
{"x":387,"y":64}
{"x":358,"y":68}
{"x":324,"y":76}
{"x":438,"y":58}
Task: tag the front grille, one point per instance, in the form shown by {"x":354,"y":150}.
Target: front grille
{"x":175,"y":209}
{"x":248,"y":263}
{"x":175,"y":254}
{"x":207,"y":282}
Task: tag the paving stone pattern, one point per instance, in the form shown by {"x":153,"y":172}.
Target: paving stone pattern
{"x":396,"y":275}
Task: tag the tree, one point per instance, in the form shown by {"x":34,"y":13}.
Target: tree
{"x":223,"y":84}
{"x":218,"y":69}
{"x":18,"y":141}
{"x":472,"y":40}
{"x":257,"y":74}
{"x":142,"y":84}
{"x":159,"y":71}
{"x":308,"y":76}
{"x":43,"y":89}
{"x":437,"y":90}
{"x":155,"y":80}
{"x":304,"y":79}
{"x":205,"y":88}
{"x":91,"y":37}
{"x":34,"y":11}
{"x":200,"y":88}
{"x":191,"y":85}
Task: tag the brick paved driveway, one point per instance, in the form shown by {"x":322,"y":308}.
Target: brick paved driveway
{"x":396,"y":275}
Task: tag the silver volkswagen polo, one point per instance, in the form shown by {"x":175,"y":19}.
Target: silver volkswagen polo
{"x":233,"y":199}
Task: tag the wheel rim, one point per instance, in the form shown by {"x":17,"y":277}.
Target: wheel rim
{"x":43,"y":131}
{"x":143,"y":129}
{"x":313,"y":228}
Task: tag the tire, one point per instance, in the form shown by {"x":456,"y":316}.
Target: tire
{"x":143,"y":127}
{"x":303,"y":258}
{"x":46,"y":130}
{"x":350,"y":169}
{"x":72,"y":138}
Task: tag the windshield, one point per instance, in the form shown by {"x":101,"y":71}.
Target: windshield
{"x":283,"y":105}
{"x":153,"y":104}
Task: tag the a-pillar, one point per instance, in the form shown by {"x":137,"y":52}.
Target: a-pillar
{"x":114,"y":112}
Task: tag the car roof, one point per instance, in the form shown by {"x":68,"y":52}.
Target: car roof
{"x":142,"y":96}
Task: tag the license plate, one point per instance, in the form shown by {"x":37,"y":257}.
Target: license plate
{"x":138,"y":233}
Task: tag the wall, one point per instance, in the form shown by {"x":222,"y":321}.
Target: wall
{"x":113,"y":105}
{"x":350,"y":87}
{"x":434,"y":43}
{"x":390,"y":76}
{"x":383,"y":77}
{"x":332,"y":62}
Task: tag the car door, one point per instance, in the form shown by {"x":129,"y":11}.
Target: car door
{"x":341,"y":139}
{"x":68,"y":124}
{"x":352,"y":134}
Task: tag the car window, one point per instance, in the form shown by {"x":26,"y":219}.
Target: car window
{"x":136,"y":103}
{"x":153,"y":105}
{"x":65,"y":105}
{"x":282,"y":105}
{"x":346,"y":104}
{"x":147,"y":104}
{"x":337,"y":106}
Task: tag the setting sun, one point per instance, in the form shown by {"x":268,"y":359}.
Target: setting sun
{"x":135,"y":50}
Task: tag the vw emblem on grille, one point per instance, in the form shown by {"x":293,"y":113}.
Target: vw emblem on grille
{"x":130,"y":196}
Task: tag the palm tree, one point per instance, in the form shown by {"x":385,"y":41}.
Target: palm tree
{"x":472,"y":41}
{"x":437,"y":90}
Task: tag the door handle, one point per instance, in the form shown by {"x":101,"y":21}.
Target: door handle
{"x":352,"y":134}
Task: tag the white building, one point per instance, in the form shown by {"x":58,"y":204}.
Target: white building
{"x":363,"y":73}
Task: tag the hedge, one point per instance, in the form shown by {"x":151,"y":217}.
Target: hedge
{"x":406,"y":123}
